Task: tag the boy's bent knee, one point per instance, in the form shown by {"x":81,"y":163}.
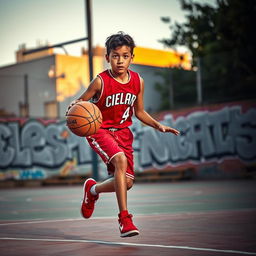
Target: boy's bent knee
{"x":119,"y":159}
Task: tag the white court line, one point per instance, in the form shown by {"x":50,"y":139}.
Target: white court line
{"x":137,"y":216}
{"x":35,"y":222}
{"x":128,"y":244}
{"x":49,"y":221}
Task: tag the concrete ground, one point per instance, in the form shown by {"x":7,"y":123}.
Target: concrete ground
{"x":179,"y":218}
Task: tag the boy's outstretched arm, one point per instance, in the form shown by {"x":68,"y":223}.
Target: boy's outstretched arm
{"x":144,"y":117}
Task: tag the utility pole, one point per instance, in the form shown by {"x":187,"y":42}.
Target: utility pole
{"x":171,"y":91}
{"x":95,"y":169}
{"x":199,"y":83}
{"x":26,"y":99}
{"x":89,"y":36}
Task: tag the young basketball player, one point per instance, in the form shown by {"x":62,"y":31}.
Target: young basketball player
{"x":117,"y":92}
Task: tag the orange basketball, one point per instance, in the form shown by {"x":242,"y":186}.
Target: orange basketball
{"x":84,"y":118}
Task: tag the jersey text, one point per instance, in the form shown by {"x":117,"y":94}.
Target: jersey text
{"x":120,"y":98}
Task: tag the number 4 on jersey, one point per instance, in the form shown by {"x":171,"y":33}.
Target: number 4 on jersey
{"x":125,"y":115}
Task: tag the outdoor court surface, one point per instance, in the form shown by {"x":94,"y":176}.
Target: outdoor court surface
{"x":177,"y":218}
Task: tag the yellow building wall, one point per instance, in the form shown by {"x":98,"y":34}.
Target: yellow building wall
{"x":161,"y":58}
{"x":72,"y":74}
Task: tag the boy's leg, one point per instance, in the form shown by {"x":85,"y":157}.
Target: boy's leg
{"x":105,"y":186}
{"x":120,"y":164}
{"x":117,"y":184}
{"x":126,"y":225}
{"x":107,"y":145}
{"x":109,"y":185}
{"x":120,"y":184}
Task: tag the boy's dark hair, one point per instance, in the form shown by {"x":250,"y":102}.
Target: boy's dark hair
{"x":117,"y":40}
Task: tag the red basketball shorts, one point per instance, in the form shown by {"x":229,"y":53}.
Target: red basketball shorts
{"x":107,"y":144}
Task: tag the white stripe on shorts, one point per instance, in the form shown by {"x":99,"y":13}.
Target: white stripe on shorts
{"x":129,"y":176}
{"x":95,"y":143}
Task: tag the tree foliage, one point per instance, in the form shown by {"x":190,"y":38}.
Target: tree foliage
{"x":184,"y":89}
{"x":223,"y":37}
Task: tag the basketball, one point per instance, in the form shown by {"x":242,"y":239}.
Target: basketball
{"x":84,"y":118}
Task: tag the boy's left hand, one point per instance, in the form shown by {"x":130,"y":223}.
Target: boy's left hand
{"x":163,"y":128}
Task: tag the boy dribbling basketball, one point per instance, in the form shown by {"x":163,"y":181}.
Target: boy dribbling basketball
{"x":117,"y":92}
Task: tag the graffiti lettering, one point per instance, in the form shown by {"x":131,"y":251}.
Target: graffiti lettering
{"x":35,"y":144}
{"x":206,"y":136}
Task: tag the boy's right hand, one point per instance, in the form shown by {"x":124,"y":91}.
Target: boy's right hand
{"x":72,"y":104}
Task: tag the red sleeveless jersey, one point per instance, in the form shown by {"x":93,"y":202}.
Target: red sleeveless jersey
{"x":117,"y":99}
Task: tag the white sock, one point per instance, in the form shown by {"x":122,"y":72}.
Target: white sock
{"x":93,"y":191}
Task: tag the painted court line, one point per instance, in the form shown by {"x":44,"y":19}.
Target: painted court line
{"x":35,"y":222}
{"x":50,"y":221}
{"x":38,"y":221}
{"x":128,"y":244}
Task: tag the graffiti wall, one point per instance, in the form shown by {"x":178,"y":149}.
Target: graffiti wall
{"x":219,"y":140}
{"x":215,"y":141}
{"x":36,"y":149}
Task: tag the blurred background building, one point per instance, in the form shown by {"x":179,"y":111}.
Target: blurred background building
{"x":43,"y":84}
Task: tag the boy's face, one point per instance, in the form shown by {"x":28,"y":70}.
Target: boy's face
{"x":120,"y":59}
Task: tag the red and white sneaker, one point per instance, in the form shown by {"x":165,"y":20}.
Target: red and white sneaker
{"x":87,"y":206}
{"x":126,"y":226}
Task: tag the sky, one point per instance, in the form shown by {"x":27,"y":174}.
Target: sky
{"x":31,"y":22}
